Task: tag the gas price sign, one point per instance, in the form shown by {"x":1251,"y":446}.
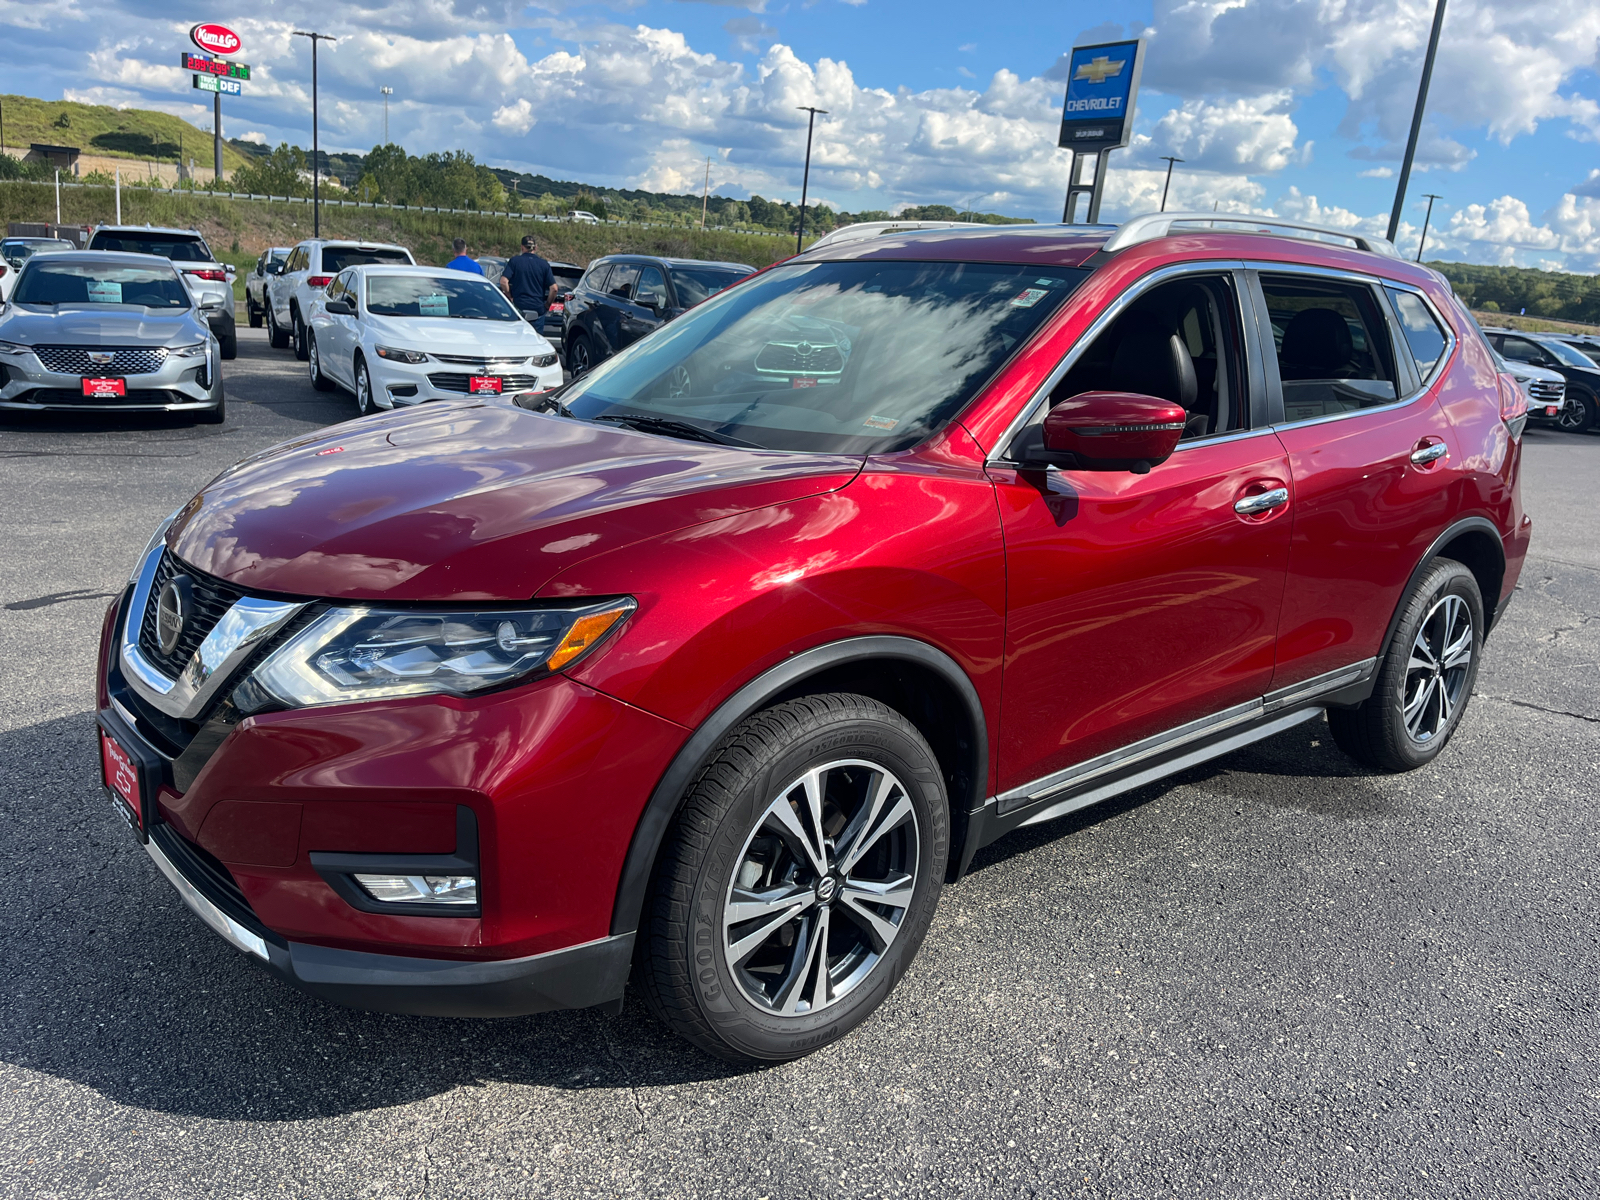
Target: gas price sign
{"x":213,"y":66}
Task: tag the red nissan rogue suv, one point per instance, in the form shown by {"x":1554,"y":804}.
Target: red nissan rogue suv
{"x":712,"y":668}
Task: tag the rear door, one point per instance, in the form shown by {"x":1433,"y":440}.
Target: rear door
{"x":1137,"y":604}
{"x":649,"y":301}
{"x":1370,"y":452}
{"x":614,"y":305}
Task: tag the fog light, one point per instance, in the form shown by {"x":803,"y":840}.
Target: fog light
{"x":421,"y":889}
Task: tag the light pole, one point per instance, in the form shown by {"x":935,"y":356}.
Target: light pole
{"x":1430,"y":197}
{"x":805,"y":180}
{"x":1171,"y":162}
{"x":1416,"y":120}
{"x":387,"y":92}
{"x":316,"y":150}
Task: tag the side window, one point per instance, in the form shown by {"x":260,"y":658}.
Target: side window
{"x":651,"y":289}
{"x":1420,"y":329}
{"x":1180,"y":342}
{"x":1333,"y":347}
{"x":623,"y":278}
{"x":1521,"y":350}
{"x":595,"y":280}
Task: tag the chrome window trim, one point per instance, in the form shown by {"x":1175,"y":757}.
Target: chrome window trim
{"x":999,"y":456}
{"x":232,"y":639}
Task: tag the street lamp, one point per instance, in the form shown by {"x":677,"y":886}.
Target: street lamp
{"x":1430,"y":197}
{"x":387,"y":92}
{"x":316,"y":151}
{"x":1416,"y":121}
{"x":805,"y":180}
{"x":1171,"y":162}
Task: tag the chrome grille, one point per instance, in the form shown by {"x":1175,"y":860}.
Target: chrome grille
{"x":485,"y":365}
{"x":1546,"y":391}
{"x":212,"y":598}
{"x":804,"y":357}
{"x":125,"y":360}
{"x":463,"y":383}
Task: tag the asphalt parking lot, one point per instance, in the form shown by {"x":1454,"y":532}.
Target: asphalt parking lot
{"x":1276,"y":976}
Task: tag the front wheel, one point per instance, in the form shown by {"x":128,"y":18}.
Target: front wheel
{"x":301,"y":350}
{"x":252,"y":313}
{"x":277,"y":337}
{"x":1580,"y":414}
{"x":314,"y":366}
{"x":802,"y":875}
{"x":1425,"y":679}
{"x":364,"y":403}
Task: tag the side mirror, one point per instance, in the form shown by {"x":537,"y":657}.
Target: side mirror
{"x":272,"y":268}
{"x":232,"y":272}
{"x":342,"y":308}
{"x":1111,"y":431}
{"x":210,"y":300}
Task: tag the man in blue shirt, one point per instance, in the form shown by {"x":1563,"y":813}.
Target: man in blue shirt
{"x":461,"y":262}
{"x":529,"y":283}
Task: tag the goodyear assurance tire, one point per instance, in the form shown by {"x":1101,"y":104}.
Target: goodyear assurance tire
{"x":800,"y":879}
{"x":1426,"y":678}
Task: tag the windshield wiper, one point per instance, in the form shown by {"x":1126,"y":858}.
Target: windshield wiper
{"x":672,"y":428}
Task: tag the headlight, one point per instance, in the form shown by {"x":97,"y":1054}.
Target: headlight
{"x":156,"y":539}
{"x":13,"y":348}
{"x":544,"y":360}
{"x":405,"y":356}
{"x":350,"y":654}
{"x":198,"y":350}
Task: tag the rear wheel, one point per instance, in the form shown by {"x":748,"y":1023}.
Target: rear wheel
{"x":580,"y":356}
{"x":1425,"y":679}
{"x":314,"y":365}
{"x":1580,"y":414}
{"x":802,"y":875}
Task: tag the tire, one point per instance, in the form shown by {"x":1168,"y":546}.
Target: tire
{"x":738,"y":989}
{"x":217,"y":415}
{"x":277,"y":338}
{"x":252,"y":313}
{"x":1581,"y":415}
{"x":580,"y":355}
{"x":319,"y":381}
{"x":228,"y":343}
{"x":1426,"y":677}
{"x":364,"y":401}
{"x":301,"y":350}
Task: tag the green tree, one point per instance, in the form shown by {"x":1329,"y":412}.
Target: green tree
{"x":275,"y":174}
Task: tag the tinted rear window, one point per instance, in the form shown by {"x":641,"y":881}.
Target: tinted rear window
{"x":337,"y":258}
{"x":179,"y":247}
{"x":695,"y":284}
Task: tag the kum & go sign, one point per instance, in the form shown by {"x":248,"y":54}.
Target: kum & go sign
{"x":218,"y":39}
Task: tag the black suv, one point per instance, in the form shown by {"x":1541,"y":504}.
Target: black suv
{"x":1581,"y":372}
{"x":625,"y":296}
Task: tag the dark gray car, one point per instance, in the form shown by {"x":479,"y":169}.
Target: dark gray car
{"x":625,"y":296}
{"x":108,"y":332}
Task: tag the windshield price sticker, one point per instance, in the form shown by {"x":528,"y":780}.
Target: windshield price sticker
{"x":484,"y":385}
{"x":877,"y":422}
{"x":1028,"y":297}
{"x":435,"y":305}
{"x":103,"y":291}
{"x":103,"y":388}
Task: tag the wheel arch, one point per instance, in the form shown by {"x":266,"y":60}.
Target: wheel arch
{"x":1475,"y":543}
{"x":924,"y":684}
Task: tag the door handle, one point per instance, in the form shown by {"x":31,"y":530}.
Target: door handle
{"x":1252,"y":506}
{"x":1430,"y":453}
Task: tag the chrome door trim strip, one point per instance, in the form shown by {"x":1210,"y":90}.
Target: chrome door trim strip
{"x":1109,"y":314}
{"x":1199,"y":755}
{"x":231,"y":640}
{"x":1321,"y":685}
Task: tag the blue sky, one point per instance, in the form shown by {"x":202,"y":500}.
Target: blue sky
{"x":1293,"y":107}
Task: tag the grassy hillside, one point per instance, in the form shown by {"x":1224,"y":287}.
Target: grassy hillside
{"x":239,"y":230}
{"x":112,"y":132}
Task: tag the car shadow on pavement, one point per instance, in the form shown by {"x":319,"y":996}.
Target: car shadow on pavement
{"x":115,"y":985}
{"x":1299,"y":769}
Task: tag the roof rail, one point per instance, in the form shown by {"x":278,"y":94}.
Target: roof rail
{"x":1157,"y":225}
{"x":861,"y":230}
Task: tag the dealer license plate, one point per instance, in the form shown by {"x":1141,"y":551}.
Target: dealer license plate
{"x":122,"y":779}
{"x":484,"y":385}
{"x":104,"y":389}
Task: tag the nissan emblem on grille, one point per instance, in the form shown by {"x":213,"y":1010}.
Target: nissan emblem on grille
{"x":173,"y":607}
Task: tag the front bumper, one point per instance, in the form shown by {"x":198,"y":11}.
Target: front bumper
{"x":181,"y":385}
{"x":396,"y":384}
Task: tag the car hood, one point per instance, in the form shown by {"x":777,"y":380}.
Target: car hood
{"x":71,"y":325}
{"x":466,"y":501}
{"x":445,"y":336}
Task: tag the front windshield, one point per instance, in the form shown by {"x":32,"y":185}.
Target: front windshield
{"x":437,"y":296}
{"x":1568,"y":355}
{"x":833,"y":357}
{"x":179,"y":247}
{"x":45,"y":282}
{"x":696,"y":284}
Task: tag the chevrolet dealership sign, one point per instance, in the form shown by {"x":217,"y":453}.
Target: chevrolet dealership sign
{"x":1102,"y":87}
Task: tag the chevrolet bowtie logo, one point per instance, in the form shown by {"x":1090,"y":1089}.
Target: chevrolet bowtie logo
{"x":1098,"y":70}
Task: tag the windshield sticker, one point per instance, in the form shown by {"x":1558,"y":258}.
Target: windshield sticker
{"x":1028,"y":297}
{"x":101,"y":292}
{"x":877,"y":422}
{"x":435,"y":305}
{"x":800,"y":381}
{"x":1045,"y":283}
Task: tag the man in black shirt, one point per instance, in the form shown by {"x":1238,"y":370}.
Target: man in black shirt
{"x":529,"y":283}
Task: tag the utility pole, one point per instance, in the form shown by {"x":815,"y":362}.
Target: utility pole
{"x":1171,"y":162}
{"x":1416,"y":120}
{"x":316,"y":150}
{"x":805,"y":180}
{"x":387,"y":92}
{"x":1430,"y":197}
{"x":705,"y":196}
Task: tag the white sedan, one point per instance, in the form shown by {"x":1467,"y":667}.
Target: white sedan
{"x":397,"y":335}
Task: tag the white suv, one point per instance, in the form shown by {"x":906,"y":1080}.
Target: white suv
{"x":311,"y":266}
{"x":202,"y":273}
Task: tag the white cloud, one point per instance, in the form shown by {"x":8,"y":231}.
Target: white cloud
{"x":1378,"y":173}
{"x":515,"y":118}
{"x":1251,"y":134}
{"x":254,"y":137}
{"x":749,"y":33}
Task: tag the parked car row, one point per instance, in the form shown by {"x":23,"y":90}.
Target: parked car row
{"x":1561,"y":357}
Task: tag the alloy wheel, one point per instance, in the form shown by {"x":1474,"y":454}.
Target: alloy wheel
{"x":363,"y":390}
{"x":823,"y":885}
{"x":580,"y":356}
{"x":1436,"y":674}
{"x":313,"y":360}
{"x":679,"y":382}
